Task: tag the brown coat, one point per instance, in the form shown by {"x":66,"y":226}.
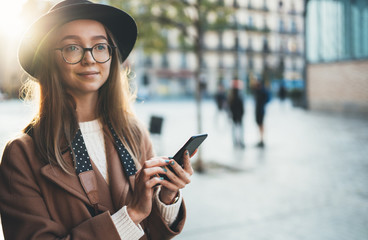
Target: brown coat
{"x":39,"y":201}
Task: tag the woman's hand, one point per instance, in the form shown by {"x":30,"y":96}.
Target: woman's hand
{"x":145,"y":181}
{"x":178,"y":179}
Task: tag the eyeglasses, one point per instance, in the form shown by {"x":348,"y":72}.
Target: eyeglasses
{"x":74,"y":53}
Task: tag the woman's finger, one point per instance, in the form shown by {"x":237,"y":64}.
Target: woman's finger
{"x":148,"y":173}
{"x":178,"y":176}
{"x":170,"y":186}
{"x":153,"y":182}
{"x":182,"y":172}
{"x":156,"y":161}
{"x":186,"y":162}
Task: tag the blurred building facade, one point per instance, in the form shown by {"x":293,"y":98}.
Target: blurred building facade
{"x":337,"y":52}
{"x":265,"y":42}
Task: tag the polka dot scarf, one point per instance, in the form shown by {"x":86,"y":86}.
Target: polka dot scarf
{"x":83,"y":162}
{"x":124,"y":155}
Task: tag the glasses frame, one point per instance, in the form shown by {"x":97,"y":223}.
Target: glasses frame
{"x":110,"y":47}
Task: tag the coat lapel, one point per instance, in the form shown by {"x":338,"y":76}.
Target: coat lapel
{"x":104,"y":195}
{"x":69,"y":182}
{"x":91,"y":187}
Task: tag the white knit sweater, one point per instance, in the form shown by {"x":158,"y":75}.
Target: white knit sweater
{"x":93,"y":136}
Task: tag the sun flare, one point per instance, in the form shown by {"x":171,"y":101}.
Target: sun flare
{"x":11,"y":24}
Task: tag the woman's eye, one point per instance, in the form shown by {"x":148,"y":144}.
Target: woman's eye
{"x":71,"y":48}
{"x":101,"y":47}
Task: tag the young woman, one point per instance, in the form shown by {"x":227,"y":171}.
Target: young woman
{"x":84,"y":167}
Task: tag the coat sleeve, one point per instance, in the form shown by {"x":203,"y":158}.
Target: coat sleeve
{"x":154,"y":225}
{"x":24,"y":213}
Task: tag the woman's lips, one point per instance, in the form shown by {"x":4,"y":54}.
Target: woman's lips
{"x":88,"y":74}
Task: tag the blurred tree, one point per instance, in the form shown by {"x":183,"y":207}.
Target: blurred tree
{"x":192,"y":18}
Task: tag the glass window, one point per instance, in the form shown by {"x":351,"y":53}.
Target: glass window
{"x":337,"y":30}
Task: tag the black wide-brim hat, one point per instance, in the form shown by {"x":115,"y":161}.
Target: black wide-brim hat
{"x":120,"y":24}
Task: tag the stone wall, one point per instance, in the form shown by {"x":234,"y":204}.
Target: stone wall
{"x":338,"y":87}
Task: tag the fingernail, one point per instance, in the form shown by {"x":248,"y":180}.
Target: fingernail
{"x":186,"y":152}
{"x":167,"y":161}
{"x":161,"y":178}
{"x":163,"y":168}
{"x":172,"y":163}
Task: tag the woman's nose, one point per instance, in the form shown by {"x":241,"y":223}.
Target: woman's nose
{"x":88,"y":58}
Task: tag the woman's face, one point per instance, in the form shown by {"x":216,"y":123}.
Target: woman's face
{"x":88,"y":75}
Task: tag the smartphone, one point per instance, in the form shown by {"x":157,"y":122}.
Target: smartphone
{"x":191,"y":145}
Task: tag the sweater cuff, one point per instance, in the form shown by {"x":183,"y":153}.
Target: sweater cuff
{"x":168,"y":212}
{"x":127,"y":229}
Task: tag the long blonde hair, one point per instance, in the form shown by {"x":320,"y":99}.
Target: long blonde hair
{"x":54,"y":126}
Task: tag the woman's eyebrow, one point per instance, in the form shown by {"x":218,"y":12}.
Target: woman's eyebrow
{"x":72,"y":37}
{"x":75,"y":37}
{"x":99,"y":37}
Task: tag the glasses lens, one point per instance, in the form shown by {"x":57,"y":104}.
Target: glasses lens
{"x":101,"y":52}
{"x":72,"y":53}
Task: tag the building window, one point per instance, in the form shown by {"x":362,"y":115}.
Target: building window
{"x":266,"y":48}
{"x":250,"y":63}
{"x":281,"y":26}
{"x":337,"y":30}
{"x":250,"y":44}
{"x":148,"y":61}
{"x":184,"y":64}
{"x":280,"y":4}
{"x":293,"y":27}
{"x":250,"y":21}
{"x":164,"y":61}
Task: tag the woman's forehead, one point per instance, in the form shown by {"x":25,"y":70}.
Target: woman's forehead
{"x":83,"y":29}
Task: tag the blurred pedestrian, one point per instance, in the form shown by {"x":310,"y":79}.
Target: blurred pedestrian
{"x":84,"y":167}
{"x":221,"y":102}
{"x":282,"y":92}
{"x":262,"y":97}
{"x":236,"y":110}
{"x":220,"y":98}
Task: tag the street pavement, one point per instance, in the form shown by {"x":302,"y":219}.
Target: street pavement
{"x":308,"y":182}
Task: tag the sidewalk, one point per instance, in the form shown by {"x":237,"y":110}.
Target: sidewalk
{"x":309,"y":182}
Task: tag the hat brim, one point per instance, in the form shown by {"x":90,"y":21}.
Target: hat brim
{"x":120,"y":24}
